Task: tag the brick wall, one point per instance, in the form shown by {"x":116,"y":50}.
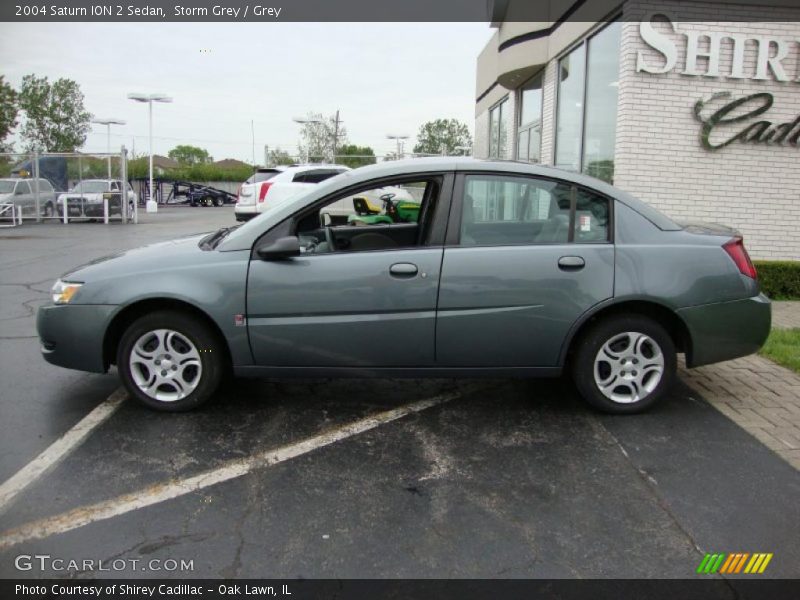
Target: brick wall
{"x":659,"y":157}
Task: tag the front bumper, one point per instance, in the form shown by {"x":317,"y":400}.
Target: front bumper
{"x":726,"y":330}
{"x":72,"y":335}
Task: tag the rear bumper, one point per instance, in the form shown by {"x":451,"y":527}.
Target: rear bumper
{"x":72,"y":335}
{"x":726,"y":330}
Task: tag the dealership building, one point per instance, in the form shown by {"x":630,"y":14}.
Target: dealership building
{"x":692,"y":106}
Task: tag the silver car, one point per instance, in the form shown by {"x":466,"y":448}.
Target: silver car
{"x":22,"y":193}
{"x":503,"y":269}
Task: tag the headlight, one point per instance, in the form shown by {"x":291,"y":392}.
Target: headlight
{"x":63,"y":291}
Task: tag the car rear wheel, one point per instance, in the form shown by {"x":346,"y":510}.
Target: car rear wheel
{"x":219,"y":201}
{"x":624,"y":364}
{"x":47,"y":211}
{"x":170,"y":361}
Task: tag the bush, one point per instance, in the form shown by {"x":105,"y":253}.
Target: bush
{"x":780,"y":279}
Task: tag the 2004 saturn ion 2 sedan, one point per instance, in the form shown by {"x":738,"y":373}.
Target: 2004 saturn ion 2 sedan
{"x":505,"y":269}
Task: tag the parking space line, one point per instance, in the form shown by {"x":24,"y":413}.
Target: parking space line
{"x":161,"y":492}
{"x":59,"y":449}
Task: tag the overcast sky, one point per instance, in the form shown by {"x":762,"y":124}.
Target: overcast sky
{"x":384,"y":78}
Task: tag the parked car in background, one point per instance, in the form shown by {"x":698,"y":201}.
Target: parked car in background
{"x":22,"y":193}
{"x":271,"y":186}
{"x":506,"y":269}
{"x":85,"y":199}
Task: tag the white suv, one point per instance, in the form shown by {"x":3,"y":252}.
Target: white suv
{"x":267,"y":187}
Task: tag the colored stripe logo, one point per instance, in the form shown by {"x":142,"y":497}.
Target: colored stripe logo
{"x":734,"y":563}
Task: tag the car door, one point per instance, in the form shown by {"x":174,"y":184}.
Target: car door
{"x":360,"y":308}
{"x":524,"y":258}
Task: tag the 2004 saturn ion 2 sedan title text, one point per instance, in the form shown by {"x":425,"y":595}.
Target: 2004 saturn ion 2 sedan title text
{"x":462,"y":268}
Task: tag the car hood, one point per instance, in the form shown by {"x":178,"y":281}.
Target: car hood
{"x":154,"y":257}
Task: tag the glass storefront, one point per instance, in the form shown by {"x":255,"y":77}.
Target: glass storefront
{"x":569,"y":116}
{"x":529,"y":132}
{"x":586,"y":118}
{"x":498,"y":131}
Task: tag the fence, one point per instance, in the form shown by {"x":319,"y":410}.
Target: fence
{"x":65,"y":186}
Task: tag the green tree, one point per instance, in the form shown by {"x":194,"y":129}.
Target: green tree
{"x":447,"y":134}
{"x":8,"y":113}
{"x":355,"y":156}
{"x":190,"y":155}
{"x":55,"y":117}
{"x":279,"y":157}
{"x":316,"y":138}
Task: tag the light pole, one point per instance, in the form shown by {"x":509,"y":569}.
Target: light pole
{"x":108,"y":122}
{"x":152,"y":205}
{"x":303,"y":121}
{"x":397,"y":138}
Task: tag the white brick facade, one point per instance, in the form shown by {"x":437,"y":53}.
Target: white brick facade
{"x":659,"y":156}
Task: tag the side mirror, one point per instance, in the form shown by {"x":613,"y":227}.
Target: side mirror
{"x":285,"y":247}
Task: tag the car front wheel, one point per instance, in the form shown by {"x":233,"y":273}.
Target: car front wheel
{"x":624,"y":364}
{"x":170,"y":361}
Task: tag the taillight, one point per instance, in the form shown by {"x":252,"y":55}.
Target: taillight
{"x":264,"y":189}
{"x":735,"y":249}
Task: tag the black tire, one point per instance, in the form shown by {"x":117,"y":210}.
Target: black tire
{"x":208,"y":201}
{"x":219,"y":201}
{"x":47,"y":211}
{"x":198,"y":333}
{"x":612,"y":329}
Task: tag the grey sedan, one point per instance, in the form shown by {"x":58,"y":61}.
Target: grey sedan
{"x":497,"y":269}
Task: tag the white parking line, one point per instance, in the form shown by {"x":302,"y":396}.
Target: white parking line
{"x":59,"y":449}
{"x":161,"y":492}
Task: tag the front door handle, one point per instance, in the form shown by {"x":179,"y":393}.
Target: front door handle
{"x":571,"y":263}
{"x":401,"y":270}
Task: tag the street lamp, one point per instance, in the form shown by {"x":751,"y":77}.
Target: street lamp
{"x":152,"y":205}
{"x":108,"y":122}
{"x":397,"y":138}
{"x":303,"y":121}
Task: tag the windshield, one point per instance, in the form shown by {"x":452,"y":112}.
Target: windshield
{"x":90,"y":187}
{"x":6,"y":186}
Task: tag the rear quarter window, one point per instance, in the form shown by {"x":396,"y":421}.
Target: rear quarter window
{"x":316,"y":175}
{"x":262,"y":176}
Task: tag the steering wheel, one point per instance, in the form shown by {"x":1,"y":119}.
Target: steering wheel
{"x":329,"y":239}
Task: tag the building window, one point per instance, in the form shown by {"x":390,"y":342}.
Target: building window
{"x":586,"y":119}
{"x":498,"y":131}
{"x":529,"y":132}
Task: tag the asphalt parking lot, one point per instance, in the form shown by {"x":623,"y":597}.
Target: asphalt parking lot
{"x":353,"y":479}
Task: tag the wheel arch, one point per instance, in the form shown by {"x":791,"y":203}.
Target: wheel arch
{"x":664,"y":315}
{"x":133,"y":311}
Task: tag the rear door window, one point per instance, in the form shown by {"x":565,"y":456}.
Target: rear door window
{"x":500,"y":211}
{"x":23,"y":187}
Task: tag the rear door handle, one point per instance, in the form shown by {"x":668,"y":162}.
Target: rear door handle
{"x":571,"y":263}
{"x":402,"y":270}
